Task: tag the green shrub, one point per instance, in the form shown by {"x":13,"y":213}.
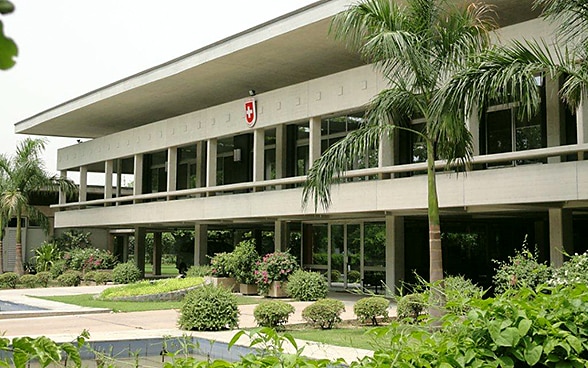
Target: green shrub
{"x":199,"y":271}
{"x":222,"y":265}
{"x":324,"y":313}
{"x":335,"y":275}
{"x":46,"y":255}
{"x":521,"y":270}
{"x":44,"y":278}
{"x":29,"y":281}
{"x":126,"y":273}
{"x":245,"y":257}
{"x":70,"y":278}
{"x":102,"y":277}
{"x":370,"y":308}
{"x":458,"y":292}
{"x":58,"y":267}
{"x":307,"y":285}
{"x":273,"y":314}
{"x":411,"y":306}
{"x":90,"y":276}
{"x":8,"y":280}
{"x":86,"y":259}
{"x":573,"y":271}
{"x":353,"y":276}
{"x":209,"y":308}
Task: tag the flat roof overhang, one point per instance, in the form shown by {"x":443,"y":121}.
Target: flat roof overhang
{"x":287,"y":50}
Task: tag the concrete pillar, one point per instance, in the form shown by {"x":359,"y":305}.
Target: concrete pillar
{"x":258,"y":155}
{"x":83,"y":194}
{"x":62,"y":195}
{"x":157,"y":248}
{"x":314,"y":141}
{"x":138,"y":175}
{"x":140,"y":249}
{"x":281,"y":151}
{"x":200,"y":164}
{"x":172,"y":169}
{"x":118,"y":179}
{"x":560,"y":235}
{"x":211,"y":149}
{"x":473,"y":125}
{"x":280,"y":236}
{"x":387,"y":152}
{"x":394,"y":251}
{"x":582,"y":122}
{"x":200,"y":244}
{"x":108,"y":171}
{"x":555,"y":116}
{"x":125,"y":255}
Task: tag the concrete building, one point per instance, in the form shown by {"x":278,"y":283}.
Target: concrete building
{"x":181,"y":133}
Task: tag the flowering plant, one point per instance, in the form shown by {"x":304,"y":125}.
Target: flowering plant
{"x":275,"y":266}
{"x":245,"y":258}
{"x":222,"y":265}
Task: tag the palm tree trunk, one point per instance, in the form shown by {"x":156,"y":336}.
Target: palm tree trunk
{"x":435,"y":251}
{"x":18,"y":267}
{"x":1,"y":256}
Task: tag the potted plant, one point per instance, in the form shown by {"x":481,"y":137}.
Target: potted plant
{"x":272,"y":271}
{"x":222,"y":270}
{"x":245,"y":258}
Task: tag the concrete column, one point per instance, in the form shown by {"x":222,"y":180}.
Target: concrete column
{"x":110,"y":243}
{"x":62,"y":195}
{"x":280,"y":236}
{"x":140,"y":249}
{"x":83,"y":195}
{"x":108,"y":171}
{"x":200,"y":244}
{"x":555,"y":116}
{"x":138,"y":175}
{"x":473,"y":125}
{"x":387,"y":153}
{"x":582,"y":122}
{"x":258,"y":155}
{"x":118,"y":179}
{"x":157,"y":248}
{"x":314,"y":141}
{"x":125,"y":255}
{"x":211,"y":149}
{"x":172,"y":169}
{"x":560,"y":235}
{"x":281,"y":151}
{"x":394,"y":251}
{"x":200,"y":164}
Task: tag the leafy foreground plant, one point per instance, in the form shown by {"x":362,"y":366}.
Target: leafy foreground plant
{"x":547,"y":328}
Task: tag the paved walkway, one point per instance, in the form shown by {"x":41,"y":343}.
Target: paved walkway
{"x":63,"y":322}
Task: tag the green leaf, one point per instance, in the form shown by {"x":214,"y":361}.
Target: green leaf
{"x":533,"y":354}
{"x":506,"y":362}
{"x":524,"y":326}
{"x":8,"y":50}
{"x":509,"y":337}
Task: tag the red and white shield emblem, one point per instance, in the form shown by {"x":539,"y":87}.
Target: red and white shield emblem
{"x":250,"y":112}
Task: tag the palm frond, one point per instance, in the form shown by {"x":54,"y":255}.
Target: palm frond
{"x":571,"y":16}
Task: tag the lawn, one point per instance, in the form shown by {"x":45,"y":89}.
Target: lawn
{"x":167,"y":269}
{"x":87,"y":300}
{"x":354,"y":337}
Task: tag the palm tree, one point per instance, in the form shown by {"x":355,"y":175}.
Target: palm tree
{"x":26,"y":175}
{"x":417,"y":47}
{"x":3,"y":222}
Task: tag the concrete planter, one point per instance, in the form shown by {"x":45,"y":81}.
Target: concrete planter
{"x":247,"y":289}
{"x":226,"y":282}
{"x":277,"y":289}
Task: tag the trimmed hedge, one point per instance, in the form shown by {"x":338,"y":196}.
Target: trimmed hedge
{"x":273,"y":314}
{"x":209,"y":308}
{"x":324,"y":313}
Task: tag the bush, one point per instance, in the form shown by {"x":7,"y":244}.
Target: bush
{"x":199,"y":271}
{"x":307,"y":285}
{"x":90,"y":276}
{"x":273,"y":314}
{"x":126,"y":273}
{"x":353,"y":276}
{"x":245,"y":257}
{"x":277,"y":266}
{"x":458,"y":293}
{"x":411,"y":306}
{"x":222,"y":265}
{"x":370,"y":308}
{"x":86,"y":259}
{"x":8,"y":280}
{"x":102,"y":277}
{"x":29,"y":281}
{"x":70,"y":278}
{"x":573,"y":271}
{"x":46,"y":255}
{"x":209,"y":308}
{"x":521,"y":270}
{"x":324,"y":313}
{"x":44,"y":278}
{"x":335,"y":275}
{"x":58,"y":267}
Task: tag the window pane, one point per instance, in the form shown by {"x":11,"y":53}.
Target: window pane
{"x":498,"y":125}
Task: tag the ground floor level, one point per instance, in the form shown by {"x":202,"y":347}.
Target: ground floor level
{"x":367,"y":252}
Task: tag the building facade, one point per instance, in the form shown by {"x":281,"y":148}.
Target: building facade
{"x":221,"y":139}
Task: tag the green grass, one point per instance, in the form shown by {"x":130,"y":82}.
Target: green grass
{"x":87,"y":300}
{"x":166,"y":269}
{"x":150,"y":287}
{"x":354,"y":337}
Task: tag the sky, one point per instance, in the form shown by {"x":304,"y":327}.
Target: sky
{"x":71,"y":47}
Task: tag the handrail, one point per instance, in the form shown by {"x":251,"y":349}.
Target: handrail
{"x":394,"y":169}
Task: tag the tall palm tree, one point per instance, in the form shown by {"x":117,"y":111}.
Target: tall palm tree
{"x":26,"y":175}
{"x":417,"y":47}
{"x":3,"y":222}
